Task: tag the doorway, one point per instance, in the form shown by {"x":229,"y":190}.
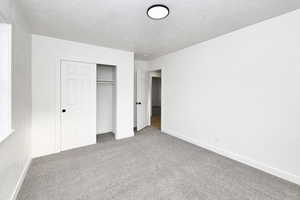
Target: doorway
{"x":148,"y":93}
{"x":156,"y":101}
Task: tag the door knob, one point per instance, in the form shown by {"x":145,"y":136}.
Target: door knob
{"x":138,"y":103}
{"x":63,"y":110}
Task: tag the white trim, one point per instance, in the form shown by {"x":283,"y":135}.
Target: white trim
{"x":6,"y":38}
{"x":20,"y":181}
{"x":122,"y":137}
{"x":248,"y":161}
{"x":105,"y":131}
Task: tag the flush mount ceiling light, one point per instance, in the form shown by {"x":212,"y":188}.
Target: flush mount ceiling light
{"x":158,"y":11}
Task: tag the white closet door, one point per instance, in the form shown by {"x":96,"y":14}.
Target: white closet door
{"x":142,"y":98}
{"x":78,"y":104}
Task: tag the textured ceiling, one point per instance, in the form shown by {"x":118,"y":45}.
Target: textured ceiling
{"x":123,"y":24}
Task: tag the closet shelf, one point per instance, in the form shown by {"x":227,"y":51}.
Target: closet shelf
{"x":105,"y":81}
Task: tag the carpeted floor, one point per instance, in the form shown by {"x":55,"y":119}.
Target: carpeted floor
{"x":149,"y":166}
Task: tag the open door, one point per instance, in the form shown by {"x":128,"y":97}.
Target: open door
{"x":142,"y":100}
{"x":78,"y":104}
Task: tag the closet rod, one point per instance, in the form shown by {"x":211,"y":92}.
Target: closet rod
{"x":105,"y":81}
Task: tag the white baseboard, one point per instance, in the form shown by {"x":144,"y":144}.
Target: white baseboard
{"x":20,"y":181}
{"x":124,"y":136}
{"x":105,"y":131}
{"x":271,"y":170}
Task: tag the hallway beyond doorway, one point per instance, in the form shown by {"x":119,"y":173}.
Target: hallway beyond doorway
{"x":156,"y":101}
{"x":155,"y":121}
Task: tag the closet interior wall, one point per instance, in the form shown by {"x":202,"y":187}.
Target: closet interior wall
{"x":106,"y":98}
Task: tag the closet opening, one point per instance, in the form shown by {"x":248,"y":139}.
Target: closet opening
{"x":106,"y":103}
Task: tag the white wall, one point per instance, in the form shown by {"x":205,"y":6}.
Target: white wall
{"x":46,"y":55}
{"x":15,"y":150}
{"x":239,"y":95}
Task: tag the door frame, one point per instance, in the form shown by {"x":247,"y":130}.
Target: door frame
{"x":149,"y":110}
{"x":58,"y":136}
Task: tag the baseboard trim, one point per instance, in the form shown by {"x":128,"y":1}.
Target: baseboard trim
{"x":21,"y":179}
{"x":250,"y":162}
{"x":123,"y":136}
{"x":105,"y":131}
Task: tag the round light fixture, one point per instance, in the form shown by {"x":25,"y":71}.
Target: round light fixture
{"x":158,"y":11}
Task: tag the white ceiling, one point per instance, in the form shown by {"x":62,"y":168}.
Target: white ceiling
{"x":123,"y":24}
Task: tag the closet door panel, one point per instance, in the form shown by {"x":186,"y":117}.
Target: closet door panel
{"x":78,"y":104}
